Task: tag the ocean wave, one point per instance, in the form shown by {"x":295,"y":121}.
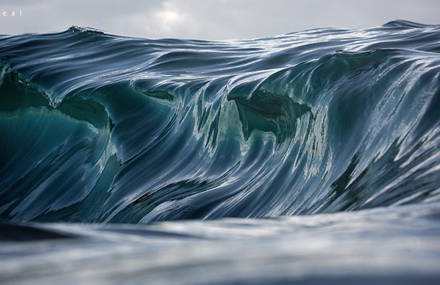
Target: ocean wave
{"x":104,"y":128}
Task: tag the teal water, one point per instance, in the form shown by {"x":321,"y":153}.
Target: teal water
{"x":287,"y":135}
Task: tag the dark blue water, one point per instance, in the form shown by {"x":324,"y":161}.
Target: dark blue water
{"x":308,"y":129}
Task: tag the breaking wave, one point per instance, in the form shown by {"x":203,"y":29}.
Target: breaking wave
{"x":103,"y":128}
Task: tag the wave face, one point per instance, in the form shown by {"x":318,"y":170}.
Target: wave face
{"x":104,"y":128}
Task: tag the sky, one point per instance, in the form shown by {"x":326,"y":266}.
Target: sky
{"x":208,"y":19}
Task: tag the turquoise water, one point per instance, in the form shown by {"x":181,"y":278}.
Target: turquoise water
{"x":315,"y":152}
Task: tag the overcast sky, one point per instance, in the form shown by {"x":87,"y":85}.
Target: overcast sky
{"x":208,"y":19}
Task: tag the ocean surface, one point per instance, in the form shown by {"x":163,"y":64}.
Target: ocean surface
{"x":311,"y":157}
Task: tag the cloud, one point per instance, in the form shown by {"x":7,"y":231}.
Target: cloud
{"x":214,"y":19}
{"x":169,"y":16}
